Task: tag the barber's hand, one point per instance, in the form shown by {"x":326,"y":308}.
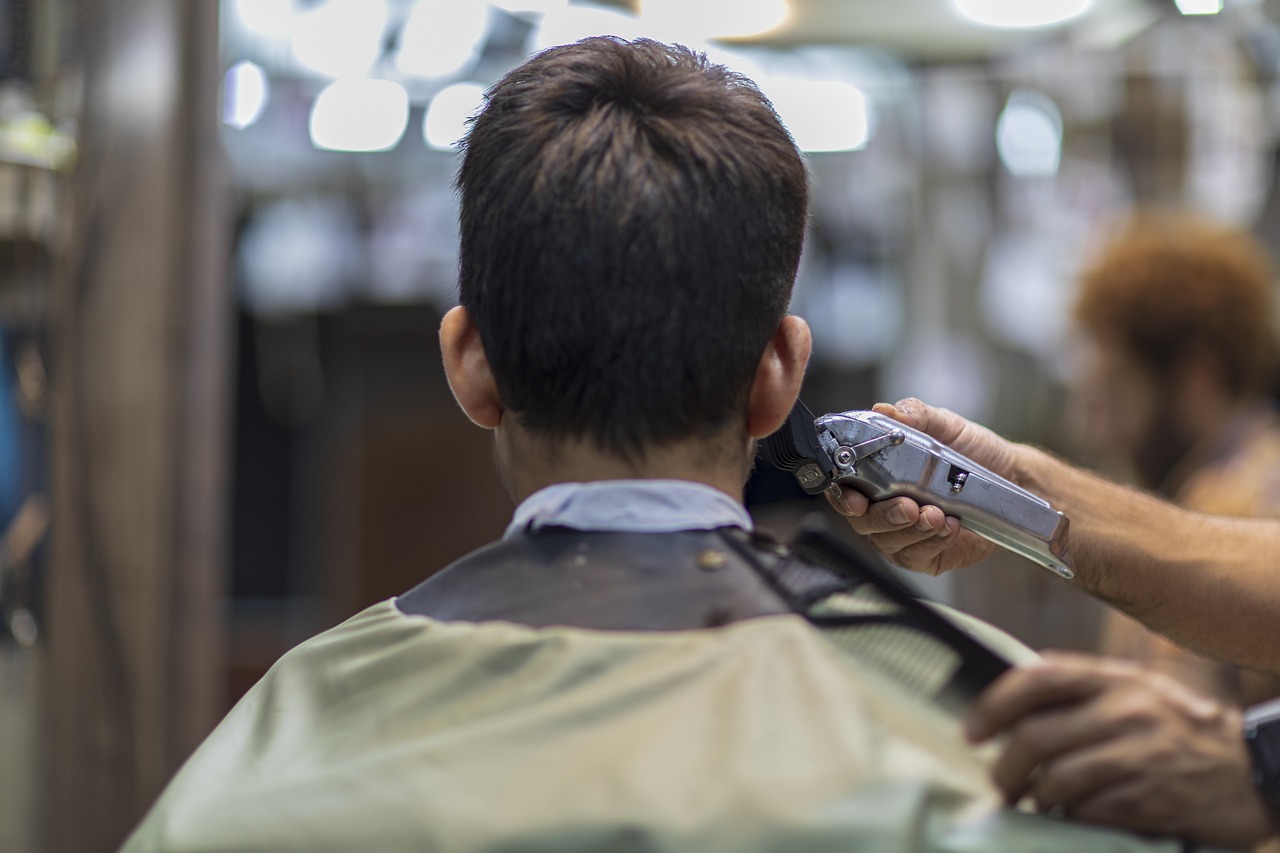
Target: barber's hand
{"x":922,"y":538}
{"x":1112,"y":744}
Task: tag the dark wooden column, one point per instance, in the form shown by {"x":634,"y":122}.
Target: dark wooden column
{"x":140,"y":320}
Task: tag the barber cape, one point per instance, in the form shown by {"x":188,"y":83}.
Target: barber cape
{"x":611,"y":676}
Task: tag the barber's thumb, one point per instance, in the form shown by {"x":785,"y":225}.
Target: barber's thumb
{"x":909,"y":410}
{"x":890,"y":410}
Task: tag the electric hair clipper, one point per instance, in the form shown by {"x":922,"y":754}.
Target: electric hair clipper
{"x":882,"y":459}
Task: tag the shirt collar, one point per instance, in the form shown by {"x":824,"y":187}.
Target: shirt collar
{"x":637,"y":506}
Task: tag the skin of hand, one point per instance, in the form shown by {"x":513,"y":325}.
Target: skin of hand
{"x":922,"y":538}
{"x":1111,"y":744}
{"x":1209,"y":583}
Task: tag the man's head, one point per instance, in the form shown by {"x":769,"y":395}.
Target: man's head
{"x":632,"y":219}
{"x":1177,"y":315}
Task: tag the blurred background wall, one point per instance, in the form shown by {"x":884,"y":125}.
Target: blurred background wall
{"x":227,"y":236}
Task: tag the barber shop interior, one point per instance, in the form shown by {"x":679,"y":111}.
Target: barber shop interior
{"x":639,"y":425}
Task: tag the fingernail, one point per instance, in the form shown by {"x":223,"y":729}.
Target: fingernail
{"x":851,"y":511}
{"x":945,"y":531}
{"x":898,"y":515}
{"x":836,"y":498}
{"x":924,"y":524}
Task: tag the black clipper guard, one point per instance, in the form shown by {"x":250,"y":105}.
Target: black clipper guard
{"x":795,"y":448}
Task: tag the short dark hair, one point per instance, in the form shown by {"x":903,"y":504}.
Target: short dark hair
{"x":1170,"y":282}
{"x":632,"y":219}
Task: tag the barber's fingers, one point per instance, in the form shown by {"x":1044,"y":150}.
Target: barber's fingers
{"x":1060,"y":716}
{"x":926,"y":541}
{"x":973,"y":440}
{"x":1039,"y":745}
{"x":1178,"y":774}
{"x":943,"y":424}
{"x":892,"y":524}
{"x":1077,"y":780}
{"x":1059,"y":679}
{"x":1182,"y":776}
{"x":1129,"y":802}
{"x":848,"y":502}
{"x":1116,"y":745}
{"x":868,"y":518}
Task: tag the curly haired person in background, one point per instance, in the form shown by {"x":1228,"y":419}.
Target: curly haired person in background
{"x":1178,"y":350}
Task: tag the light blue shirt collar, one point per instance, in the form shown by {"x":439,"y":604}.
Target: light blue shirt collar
{"x":637,"y":506}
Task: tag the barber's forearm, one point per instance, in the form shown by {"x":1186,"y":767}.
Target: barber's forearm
{"x":1207,"y":582}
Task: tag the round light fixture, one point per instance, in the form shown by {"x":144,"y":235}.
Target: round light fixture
{"x":446,"y":120}
{"x":822,"y":115}
{"x":341,"y":38}
{"x":245,"y":93}
{"x":1029,"y":135}
{"x":1020,"y":14}
{"x":360,"y":115}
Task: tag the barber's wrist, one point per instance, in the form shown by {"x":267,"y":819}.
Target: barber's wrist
{"x":1261,"y":731}
{"x":1035,"y":470}
{"x":1233,"y":813}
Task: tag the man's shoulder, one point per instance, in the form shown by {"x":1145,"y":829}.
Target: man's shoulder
{"x":392,"y":731}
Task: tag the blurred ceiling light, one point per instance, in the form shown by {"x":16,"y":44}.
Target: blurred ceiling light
{"x":244,"y":95}
{"x":1029,"y":135}
{"x":446,"y":120}
{"x":571,"y":23}
{"x":1020,"y":14}
{"x":709,"y":19}
{"x":821,"y":115}
{"x":341,"y":38}
{"x":1199,"y":7}
{"x":441,"y":37}
{"x":269,"y":18}
{"x":360,"y":115}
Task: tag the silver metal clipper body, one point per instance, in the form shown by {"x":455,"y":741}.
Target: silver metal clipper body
{"x":882,"y":459}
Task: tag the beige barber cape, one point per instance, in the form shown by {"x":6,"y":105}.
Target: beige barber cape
{"x":398,"y":732}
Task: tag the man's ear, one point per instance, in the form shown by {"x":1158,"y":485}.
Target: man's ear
{"x":467,"y":368}
{"x":778,"y":377}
